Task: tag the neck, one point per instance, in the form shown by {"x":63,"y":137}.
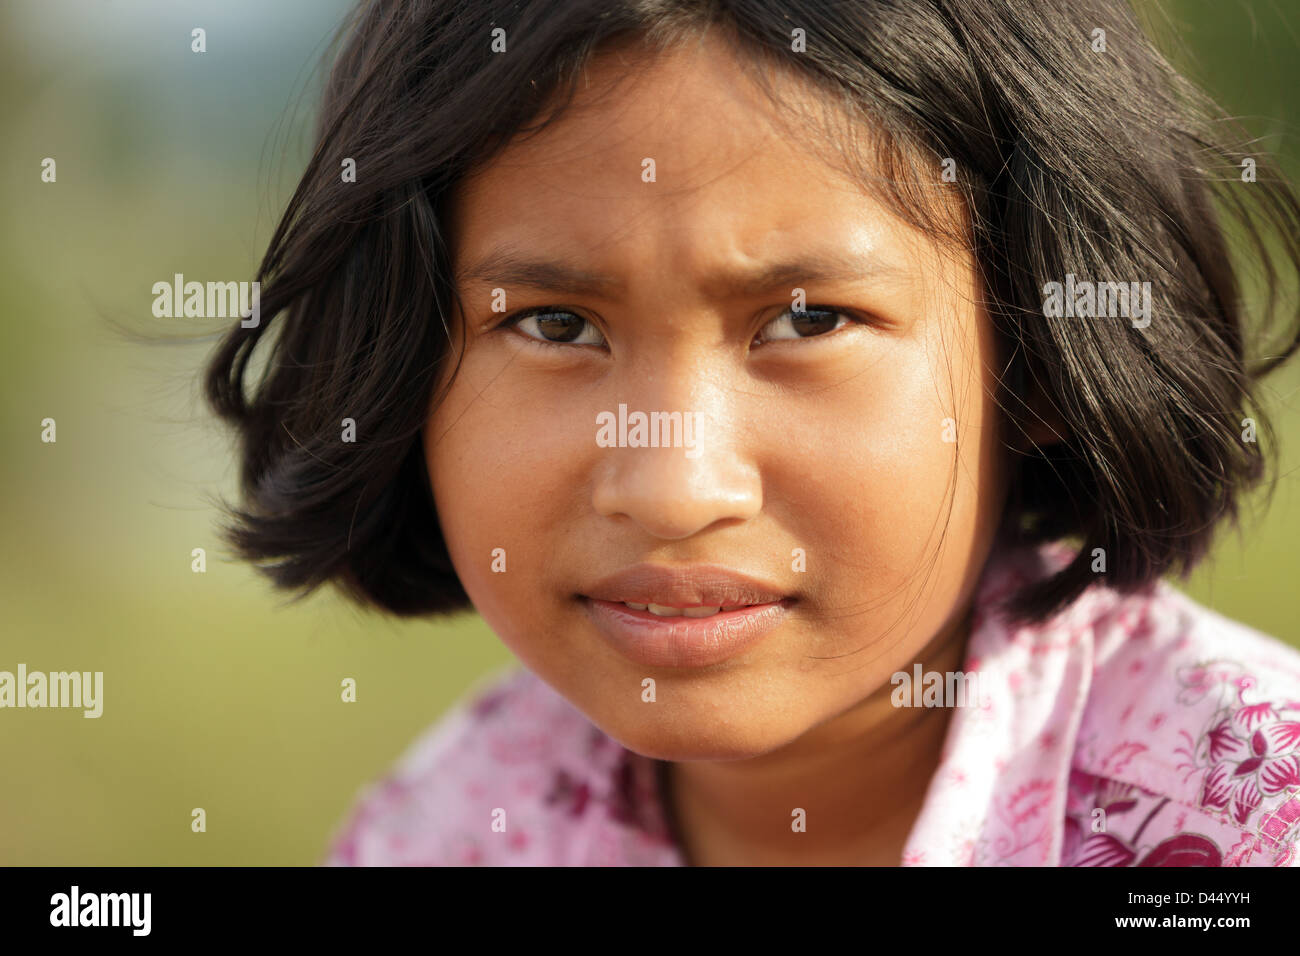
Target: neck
{"x":860,"y":779}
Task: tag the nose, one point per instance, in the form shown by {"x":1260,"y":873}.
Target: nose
{"x":674,"y":491}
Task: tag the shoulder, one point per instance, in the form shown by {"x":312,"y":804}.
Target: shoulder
{"x":1188,"y":747}
{"x":509,"y":776}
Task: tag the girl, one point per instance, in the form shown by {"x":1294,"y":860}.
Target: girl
{"x":812,"y":396}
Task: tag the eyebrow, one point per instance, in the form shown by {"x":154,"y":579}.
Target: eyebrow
{"x":505,"y":267}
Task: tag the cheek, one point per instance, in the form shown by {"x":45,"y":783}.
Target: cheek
{"x":884,"y":455}
{"x":900,"y":464}
{"x":506,"y":483}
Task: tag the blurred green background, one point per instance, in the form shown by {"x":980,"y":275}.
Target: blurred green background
{"x":216,"y":694}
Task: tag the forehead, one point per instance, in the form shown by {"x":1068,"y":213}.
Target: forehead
{"x":678,"y":157}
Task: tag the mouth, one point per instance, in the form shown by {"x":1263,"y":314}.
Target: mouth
{"x":691,"y":616}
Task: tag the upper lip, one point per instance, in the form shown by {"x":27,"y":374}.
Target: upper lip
{"x":698,"y":585}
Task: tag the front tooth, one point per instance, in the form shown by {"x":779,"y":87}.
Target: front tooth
{"x":664,"y":611}
{"x":635,"y":607}
{"x":700,"y":611}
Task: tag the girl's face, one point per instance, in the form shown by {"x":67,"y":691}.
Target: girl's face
{"x":822,"y":460}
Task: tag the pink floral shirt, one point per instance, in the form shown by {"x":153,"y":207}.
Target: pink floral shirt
{"x":1140,"y":730}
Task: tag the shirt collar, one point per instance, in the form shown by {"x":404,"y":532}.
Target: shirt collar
{"x":997,"y":797}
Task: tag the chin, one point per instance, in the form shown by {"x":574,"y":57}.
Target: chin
{"x":682,"y":739}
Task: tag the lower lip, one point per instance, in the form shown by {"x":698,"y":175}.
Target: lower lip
{"x":683,"y":641}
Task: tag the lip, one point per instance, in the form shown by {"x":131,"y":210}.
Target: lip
{"x":699,"y":585}
{"x":655,"y":641}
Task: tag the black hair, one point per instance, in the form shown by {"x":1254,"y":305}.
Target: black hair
{"x":1102,"y":165}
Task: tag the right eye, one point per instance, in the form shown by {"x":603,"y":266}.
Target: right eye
{"x":552,"y":326}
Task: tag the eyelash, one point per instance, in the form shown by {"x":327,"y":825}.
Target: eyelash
{"x":513,"y":320}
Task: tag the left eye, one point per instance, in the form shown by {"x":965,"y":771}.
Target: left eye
{"x":803,"y":324}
